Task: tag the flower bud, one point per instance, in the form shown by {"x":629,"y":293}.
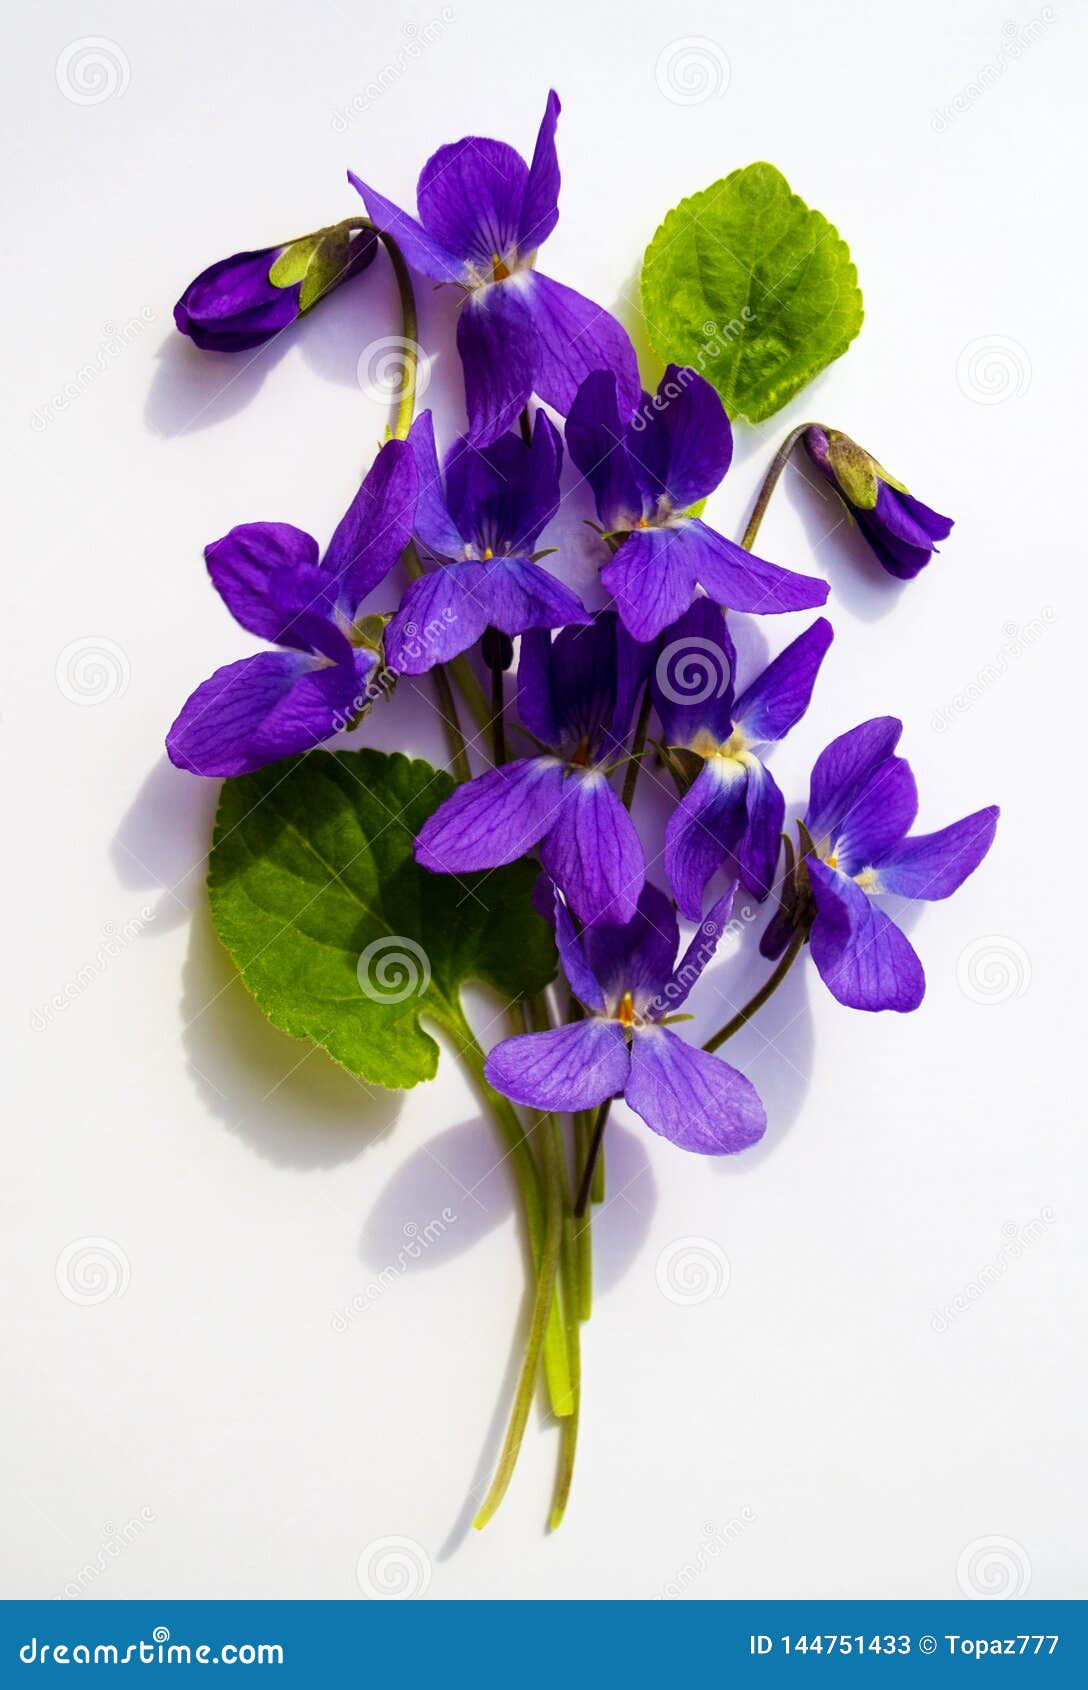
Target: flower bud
{"x":899,"y":529}
{"x":245,"y":300}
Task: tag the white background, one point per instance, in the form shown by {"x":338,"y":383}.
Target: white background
{"x":246,"y":1191}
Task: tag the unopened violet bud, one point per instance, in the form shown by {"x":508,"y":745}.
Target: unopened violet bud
{"x":243,"y":301}
{"x":901,"y":531}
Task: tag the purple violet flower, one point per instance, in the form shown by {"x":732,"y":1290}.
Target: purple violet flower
{"x":576,"y":696}
{"x":233,"y":305}
{"x":480,"y":531}
{"x":483,"y":212}
{"x":625,"y":977}
{"x":862,"y":802}
{"x":645,"y":475}
{"x":733,"y":808}
{"x":901,"y":531}
{"x":274,"y":582}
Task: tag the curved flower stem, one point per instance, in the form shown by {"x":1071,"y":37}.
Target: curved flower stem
{"x":768,"y":989}
{"x":406,"y":403}
{"x":543,"y":1304}
{"x":585,"y":1184}
{"x":638,"y":746}
{"x":770,"y":482}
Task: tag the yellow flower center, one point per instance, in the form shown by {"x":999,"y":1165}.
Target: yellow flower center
{"x":625,"y":1014}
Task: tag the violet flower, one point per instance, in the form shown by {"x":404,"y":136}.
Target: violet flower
{"x":480,"y":530}
{"x":645,"y":475}
{"x":482,"y":215}
{"x":233,"y":305}
{"x":900,"y":530}
{"x":273,"y":581}
{"x":733,"y":808}
{"x":576,"y":696}
{"x":625,"y":977}
{"x":862,"y":802}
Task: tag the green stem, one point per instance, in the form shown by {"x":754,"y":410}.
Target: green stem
{"x":770,"y":482}
{"x":585,"y":1184}
{"x":527,"y":1174}
{"x":406,"y":404}
{"x":768,"y":988}
{"x":543,"y":1303}
{"x":568,"y":1429}
{"x":583,"y":1235}
{"x":638,"y":746}
{"x":498,"y":727}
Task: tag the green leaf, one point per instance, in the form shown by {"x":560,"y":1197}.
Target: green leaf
{"x":312,"y":870}
{"x":317,"y":261}
{"x":751,"y":288}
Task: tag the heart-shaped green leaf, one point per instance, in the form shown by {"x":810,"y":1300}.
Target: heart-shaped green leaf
{"x":338,"y":933}
{"x":752,"y":288}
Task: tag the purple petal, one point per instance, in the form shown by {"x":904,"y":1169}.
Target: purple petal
{"x":499,"y":351}
{"x":933,"y":865}
{"x":232,"y":306}
{"x":263,"y":708}
{"x":778,"y":698}
{"x":501,"y":496}
{"x":863,"y":958}
{"x":686,"y":444}
{"x":540,"y":205}
{"x":423,"y":253}
{"x":597,"y":442}
{"x":376,"y":526}
{"x":440,"y":615}
{"x":580,"y":976}
{"x":568,"y":1068}
{"x":470,"y":196}
{"x":576,"y":337}
{"x":637,"y":956}
{"x":536,"y":700}
{"x":593,"y":851}
{"x":583,"y":663}
{"x":243,"y":566}
{"x":693,"y":676}
{"x":743,"y":581}
{"x":757,"y":852}
{"x":493,"y":819}
{"x":434,"y":525}
{"x":652,"y":578}
{"x":878,"y":819}
{"x":843,"y":770}
{"x":701,"y":947}
{"x":703,"y":829}
{"x":691,"y":1097}
{"x":902,"y":531}
{"x":518,"y":595}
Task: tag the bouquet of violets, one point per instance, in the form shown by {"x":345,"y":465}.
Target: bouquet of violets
{"x":359,"y":892}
